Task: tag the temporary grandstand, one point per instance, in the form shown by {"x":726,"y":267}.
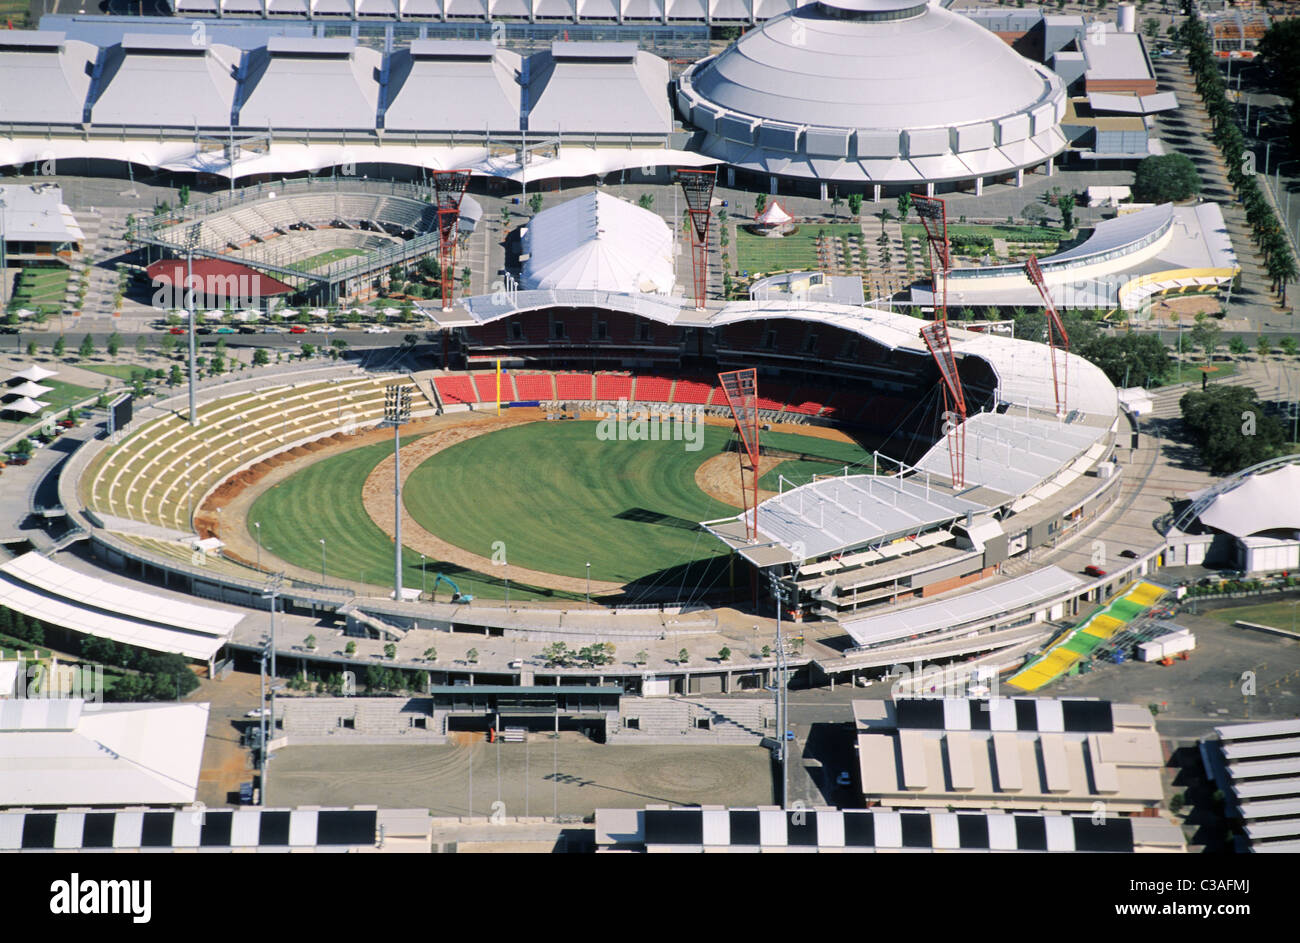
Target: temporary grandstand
{"x":86,"y":605}
{"x":1124,"y":263}
{"x":769,"y":829}
{"x":529,"y":11}
{"x":874,"y":93}
{"x":75,"y":753}
{"x":1257,"y":767}
{"x":599,"y":242}
{"x":1009,"y":753}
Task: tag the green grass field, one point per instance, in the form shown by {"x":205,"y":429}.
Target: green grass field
{"x":1009,"y":233}
{"x":1279,"y":615}
{"x":120,"y":371}
{"x":630,"y":508}
{"x":801,"y":471}
{"x":64,"y":395}
{"x":322,"y":259}
{"x":796,"y":251}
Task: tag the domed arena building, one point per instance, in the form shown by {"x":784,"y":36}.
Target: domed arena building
{"x":874,"y":96}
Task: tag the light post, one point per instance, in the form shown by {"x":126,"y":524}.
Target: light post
{"x":191,"y":240}
{"x":422,"y":575}
{"x":589,"y":583}
{"x":258,"y":526}
{"x":4,"y":264}
{"x":397,"y":410}
{"x":322,"y":561}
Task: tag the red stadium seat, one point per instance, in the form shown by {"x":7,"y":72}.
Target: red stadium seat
{"x":573,"y":386}
{"x":535,"y":386}
{"x":486,"y":386}
{"x":693,"y":391}
{"x":455,"y":390}
{"x":654,"y":389}
{"x":613,"y":386}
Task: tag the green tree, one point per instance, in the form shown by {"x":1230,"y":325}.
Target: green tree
{"x":904,"y":204}
{"x":183,"y":195}
{"x":113,"y":344}
{"x":724,"y":654}
{"x":1205,"y":335}
{"x":433,"y":266}
{"x":760,"y":203}
{"x":836,"y":202}
{"x":642,"y":657}
{"x":167,"y":345}
{"x":535,"y":203}
{"x":1279,"y":53}
{"x":31,"y":348}
{"x":1066,"y":203}
{"x":646,"y":201}
{"x":260,"y":357}
{"x":855,"y":204}
{"x":309,"y":643}
{"x":1151,"y":26}
{"x":683,"y":656}
{"x":390,"y":651}
{"x":430,"y":654}
{"x":471,"y":656}
{"x":1237,"y":346}
{"x":350,"y":648}
{"x":1262,"y":347}
{"x":308,"y":351}
{"x":87,"y":348}
{"x":1166,"y":178}
{"x":1288,"y":346}
{"x":1230,"y":428}
{"x":175,"y":377}
{"x":60,"y":346}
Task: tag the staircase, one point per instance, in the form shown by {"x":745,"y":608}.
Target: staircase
{"x":721,"y":721}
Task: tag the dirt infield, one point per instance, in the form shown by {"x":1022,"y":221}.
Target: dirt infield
{"x":720,"y":477}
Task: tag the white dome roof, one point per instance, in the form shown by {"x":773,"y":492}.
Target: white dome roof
{"x":844,"y":66}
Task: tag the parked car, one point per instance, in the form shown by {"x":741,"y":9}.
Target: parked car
{"x":789,"y":735}
{"x":247,"y":329}
{"x":297,"y":329}
{"x":844,"y":779}
{"x":176,"y":330}
{"x":203,"y":330}
{"x":1129,"y":554}
{"x":259,"y":712}
{"x":225,"y":330}
{"x":324,"y":329}
{"x":378,"y":329}
{"x":1094,"y":571}
{"x":275,"y":329}
{"x":67,"y":423}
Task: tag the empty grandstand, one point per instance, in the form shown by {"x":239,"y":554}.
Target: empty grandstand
{"x":1257,"y":768}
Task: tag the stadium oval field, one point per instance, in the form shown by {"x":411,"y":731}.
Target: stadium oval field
{"x":555,"y":494}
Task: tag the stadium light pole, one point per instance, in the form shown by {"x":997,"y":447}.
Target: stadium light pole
{"x":589,"y":582}
{"x":191,"y":240}
{"x":422,"y":576}
{"x":258,"y":526}
{"x":322,"y":561}
{"x":397,"y":410}
{"x":4,"y":264}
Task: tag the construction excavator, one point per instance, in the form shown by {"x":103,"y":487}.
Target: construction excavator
{"x":456,"y":595}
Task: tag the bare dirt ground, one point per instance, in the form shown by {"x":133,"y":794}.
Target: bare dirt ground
{"x":720,"y":478}
{"x":225,"y":763}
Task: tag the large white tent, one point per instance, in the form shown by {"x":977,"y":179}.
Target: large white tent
{"x":599,"y":242}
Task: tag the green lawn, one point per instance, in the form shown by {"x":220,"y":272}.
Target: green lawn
{"x":39,"y":289}
{"x":63,"y":396}
{"x":322,"y":259}
{"x":797,"y":251}
{"x":1009,"y":233}
{"x":1279,"y":615}
{"x":630,"y":508}
{"x":801,"y":471}
{"x":1192,"y":371}
{"x":119,"y":371}
{"x":324,"y":500}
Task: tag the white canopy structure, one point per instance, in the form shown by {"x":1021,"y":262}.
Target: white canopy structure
{"x":28,"y":388}
{"x":34,"y":373}
{"x":773,"y":215}
{"x":599,"y":242}
{"x":70,"y":753}
{"x":24,"y":404}
{"x":1257,"y":503}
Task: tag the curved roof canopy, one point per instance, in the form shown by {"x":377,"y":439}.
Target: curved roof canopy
{"x":1261,"y":502}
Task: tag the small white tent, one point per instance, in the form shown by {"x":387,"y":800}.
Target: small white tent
{"x":599,"y":242}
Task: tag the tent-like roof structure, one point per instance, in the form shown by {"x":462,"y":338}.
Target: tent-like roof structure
{"x":37,"y":213}
{"x":1259,"y":502}
{"x":452,"y":85}
{"x":774,"y":214}
{"x":65,"y":752}
{"x":599,"y":242}
{"x":28,"y":388}
{"x":157,"y":81}
{"x":311,"y":83}
{"x":24,"y":404}
{"x":34,"y":373}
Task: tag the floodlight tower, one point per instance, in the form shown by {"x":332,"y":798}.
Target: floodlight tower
{"x":191,"y":240}
{"x":698,"y":187}
{"x":1055,"y":329}
{"x":935,"y":334}
{"x":448,"y":187}
{"x":397,"y":411}
{"x":741,"y":390}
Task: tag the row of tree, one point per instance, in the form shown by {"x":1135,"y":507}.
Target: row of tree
{"x":1268,"y":232}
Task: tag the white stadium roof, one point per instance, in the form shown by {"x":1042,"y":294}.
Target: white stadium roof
{"x":894,"y":90}
{"x":586,"y":88}
{"x":52,"y":72}
{"x":599,"y":242}
{"x":37,"y":214}
{"x":42,"y":589}
{"x":70,"y":753}
{"x":311,"y":83}
{"x":155,"y":81}
{"x":453,"y":86}
{"x":1044,"y":584}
